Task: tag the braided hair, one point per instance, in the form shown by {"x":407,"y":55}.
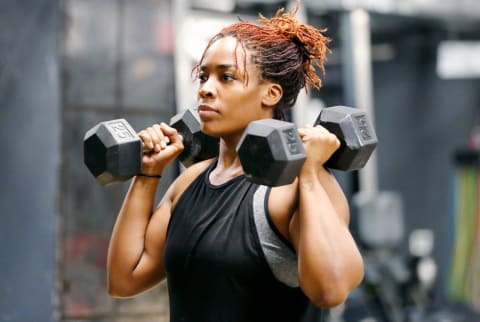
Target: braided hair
{"x":286,"y":51}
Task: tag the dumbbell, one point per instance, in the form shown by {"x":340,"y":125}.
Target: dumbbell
{"x":271,"y":151}
{"x":113,"y":151}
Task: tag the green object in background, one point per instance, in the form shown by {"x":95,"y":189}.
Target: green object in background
{"x":463,"y":271}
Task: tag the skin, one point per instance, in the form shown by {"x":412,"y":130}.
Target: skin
{"x":329,"y":263}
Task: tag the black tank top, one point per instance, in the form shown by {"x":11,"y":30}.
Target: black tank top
{"x":216,"y":269}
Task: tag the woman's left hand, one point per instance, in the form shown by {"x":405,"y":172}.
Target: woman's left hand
{"x":319,"y":144}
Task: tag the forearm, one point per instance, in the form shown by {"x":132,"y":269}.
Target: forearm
{"x":335,"y":194}
{"x":330,"y":264}
{"x":127,"y":243}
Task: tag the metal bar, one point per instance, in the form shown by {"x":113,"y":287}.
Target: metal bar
{"x":451,"y":10}
{"x":119,"y":54}
{"x":357,"y":78}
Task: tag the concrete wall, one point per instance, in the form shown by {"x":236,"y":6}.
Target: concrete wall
{"x":30,"y":158}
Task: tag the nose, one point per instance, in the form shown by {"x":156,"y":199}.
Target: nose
{"x":206,"y":89}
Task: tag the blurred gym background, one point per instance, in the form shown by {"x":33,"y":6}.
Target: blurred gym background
{"x":67,"y":65}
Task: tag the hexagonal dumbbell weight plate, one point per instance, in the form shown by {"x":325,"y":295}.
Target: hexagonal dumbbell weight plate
{"x":271,"y":152}
{"x":197,"y":145}
{"x":112,"y":151}
{"x":355,"y":132}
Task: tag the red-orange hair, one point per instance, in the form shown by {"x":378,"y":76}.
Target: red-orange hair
{"x":286,"y":51}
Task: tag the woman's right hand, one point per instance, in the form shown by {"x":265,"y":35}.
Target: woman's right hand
{"x":164,"y":143}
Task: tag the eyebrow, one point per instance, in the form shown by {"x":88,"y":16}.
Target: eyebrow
{"x":220,"y":66}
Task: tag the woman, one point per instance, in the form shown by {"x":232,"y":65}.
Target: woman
{"x":232,"y":250}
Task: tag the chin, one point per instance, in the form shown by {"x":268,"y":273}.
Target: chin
{"x":208,"y":130}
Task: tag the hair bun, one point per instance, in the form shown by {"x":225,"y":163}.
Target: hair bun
{"x":285,"y":22}
{"x":310,"y":41}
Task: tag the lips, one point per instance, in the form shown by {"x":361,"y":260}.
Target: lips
{"x":206,"y":108}
{"x":206,"y":112}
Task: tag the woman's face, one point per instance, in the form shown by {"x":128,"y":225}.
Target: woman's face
{"x":226,"y":104}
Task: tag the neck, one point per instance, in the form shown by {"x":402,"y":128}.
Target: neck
{"x":228,"y":165}
{"x":228,"y":152}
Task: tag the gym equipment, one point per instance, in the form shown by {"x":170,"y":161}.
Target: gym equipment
{"x":355,"y":132}
{"x":271,"y":151}
{"x":113,"y":151}
{"x":197,"y":145}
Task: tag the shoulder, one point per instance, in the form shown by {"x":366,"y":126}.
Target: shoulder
{"x":184,"y":180}
{"x":282,"y":205}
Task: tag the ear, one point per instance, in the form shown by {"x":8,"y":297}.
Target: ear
{"x":272,"y":95}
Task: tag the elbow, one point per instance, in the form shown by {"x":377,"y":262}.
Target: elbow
{"x":328,"y":293}
{"x":119,"y":290}
{"x":328,"y":298}
{"x":323,"y":292}
{"x":128,"y":287}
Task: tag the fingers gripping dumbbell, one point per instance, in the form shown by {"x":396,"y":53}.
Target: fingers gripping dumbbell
{"x":271,"y":151}
{"x":113,"y":151}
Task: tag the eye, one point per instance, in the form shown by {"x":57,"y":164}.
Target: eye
{"x":228,"y":77}
{"x":202,"y":77}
